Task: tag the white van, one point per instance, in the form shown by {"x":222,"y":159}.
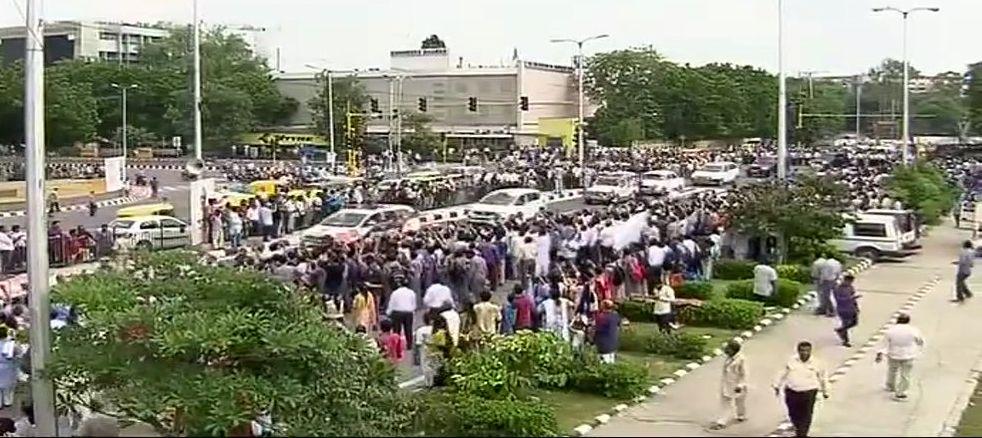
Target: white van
{"x":908,"y":222}
{"x":873,"y":237}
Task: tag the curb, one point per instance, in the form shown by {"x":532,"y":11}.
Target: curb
{"x":79,"y":207}
{"x":950,"y":426}
{"x":769,"y":319}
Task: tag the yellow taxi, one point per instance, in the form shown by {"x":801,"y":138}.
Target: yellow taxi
{"x":156,"y":209}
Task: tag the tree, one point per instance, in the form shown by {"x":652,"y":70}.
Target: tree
{"x":973,"y":94}
{"x":800,"y":216}
{"x":433,"y":42}
{"x":924,"y":189}
{"x":349,"y":96}
{"x":818,"y":104}
{"x":70,"y":108}
{"x":420,"y":139}
{"x":197,"y":350}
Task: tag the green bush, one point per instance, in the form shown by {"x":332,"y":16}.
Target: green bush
{"x":462,"y":415}
{"x":723,"y":313}
{"x":729,"y":269}
{"x":680,"y":345}
{"x":700,"y":290}
{"x":621,"y":380}
{"x":505,"y":366}
{"x":740,"y":290}
{"x":787,"y":293}
{"x":637,"y":311}
{"x":799,"y":273}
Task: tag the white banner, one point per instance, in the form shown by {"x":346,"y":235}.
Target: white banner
{"x":198,"y":195}
{"x":114,"y":174}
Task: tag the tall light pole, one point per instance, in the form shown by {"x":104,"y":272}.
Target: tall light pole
{"x":904,"y":13}
{"x":811,"y":83}
{"x":196,"y":29}
{"x":782,"y":99}
{"x":42,"y":390}
{"x":125,"y":139}
{"x":579,"y":80}
{"x":330,"y":112}
{"x":859,"y":105}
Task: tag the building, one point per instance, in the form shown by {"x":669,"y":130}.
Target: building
{"x":90,"y":40}
{"x":449,"y":88}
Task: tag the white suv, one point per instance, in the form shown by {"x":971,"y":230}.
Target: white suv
{"x":660,"y":182}
{"x":719,"y":173}
{"x":350,"y":224}
{"x":504,"y":203}
{"x":612,"y":187}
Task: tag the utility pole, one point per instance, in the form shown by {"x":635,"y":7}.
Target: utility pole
{"x":196,"y":28}
{"x":398,"y":155}
{"x":42,"y":391}
{"x":392,"y":113}
{"x":782,"y":99}
{"x":123,"y":90}
{"x":330,"y":118}
{"x":859,"y":105}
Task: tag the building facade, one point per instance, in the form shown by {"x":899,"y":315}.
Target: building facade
{"x":89,"y":40}
{"x":450,"y":88}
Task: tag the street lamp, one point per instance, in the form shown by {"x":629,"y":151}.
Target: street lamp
{"x":330,"y":110}
{"x":782,"y":99}
{"x":196,"y":28}
{"x":123,"y":90}
{"x":579,"y":79}
{"x":904,"y":13}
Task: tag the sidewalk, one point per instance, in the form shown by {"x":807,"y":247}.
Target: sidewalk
{"x":687,"y":407}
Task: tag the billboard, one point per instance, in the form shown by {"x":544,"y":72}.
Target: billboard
{"x":114,"y":174}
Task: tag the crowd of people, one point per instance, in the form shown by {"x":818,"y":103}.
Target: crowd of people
{"x":13,"y":170}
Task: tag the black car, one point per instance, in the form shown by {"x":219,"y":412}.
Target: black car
{"x":763,"y":167}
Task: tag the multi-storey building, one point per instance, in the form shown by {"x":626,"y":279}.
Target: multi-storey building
{"x":91,"y":40}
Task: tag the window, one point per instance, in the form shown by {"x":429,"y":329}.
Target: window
{"x":149,"y":225}
{"x":533,"y":197}
{"x":170,"y":223}
{"x":864,"y":229}
{"x":109,"y":36}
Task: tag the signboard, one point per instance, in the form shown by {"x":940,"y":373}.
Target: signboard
{"x":283,"y":139}
{"x":114,"y":173}
{"x":198,"y":194}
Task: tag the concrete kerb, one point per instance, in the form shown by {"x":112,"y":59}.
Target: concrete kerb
{"x":79,"y":207}
{"x":768,"y":320}
{"x":950,"y":426}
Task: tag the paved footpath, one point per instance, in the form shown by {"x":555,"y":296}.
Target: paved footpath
{"x":858,"y":405}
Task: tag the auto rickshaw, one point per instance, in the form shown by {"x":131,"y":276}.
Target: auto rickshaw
{"x":157,"y":209}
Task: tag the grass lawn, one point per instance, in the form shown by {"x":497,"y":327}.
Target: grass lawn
{"x":971,"y":422}
{"x":575,"y":408}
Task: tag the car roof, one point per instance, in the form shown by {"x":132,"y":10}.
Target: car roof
{"x":874,"y":218}
{"x":515,"y":191}
{"x":146,"y":218}
{"x":659,"y":172}
{"x":719,"y":162}
{"x":377,"y":208}
{"x":620,"y":173}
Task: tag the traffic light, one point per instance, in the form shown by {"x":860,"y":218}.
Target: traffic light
{"x":472,"y":104}
{"x":374,"y":104}
{"x":523,"y":103}
{"x":422,"y":104}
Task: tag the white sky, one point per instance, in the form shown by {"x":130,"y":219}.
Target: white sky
{"x":834,"y":36}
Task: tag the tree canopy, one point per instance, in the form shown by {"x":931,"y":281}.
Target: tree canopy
{"x":197,"y":350}
{"x":433,"y":42}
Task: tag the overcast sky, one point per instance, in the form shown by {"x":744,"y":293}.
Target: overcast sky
{"x":835,"y":36}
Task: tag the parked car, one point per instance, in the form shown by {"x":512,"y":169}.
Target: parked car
{"x":718,"y":173}
{"x":873,"y":236}
{"x":504,"y":203}
{"x":350,"y":224}
{"x":612,"y":187}
{"x":660,"y":182}
{"x":150,"y":232}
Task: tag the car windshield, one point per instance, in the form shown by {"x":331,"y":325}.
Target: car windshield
{"x":655,"y":176}
{"x":608,"y":181}
{"x":498,"y":199}
{"x":121,"y":224}
{"x":344,"y":219}
{"x":712,"y":168}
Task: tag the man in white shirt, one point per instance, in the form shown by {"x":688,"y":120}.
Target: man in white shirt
{"x":664,"y":297}
{"x":6,"y":249}
{"x":801,"y":380}
{"x":401,"y":309}
{"x":656,"y":261}
{"x":765,"y":281}
{"x":903,"y":343}
{"x":436,"y":295}
{"x":733,"y":387}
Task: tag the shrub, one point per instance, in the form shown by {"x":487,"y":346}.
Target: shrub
{"x":464,"y":415}
{"x":723,"y":313}
{"x":678,"y":344}
{"x":638,"y":311}
{"x":799,"y":273}
{"x":787,"y":293}
{"x":729,"y":269}
{"x":505,"y":366}
{"x":621,"y":380}
{"x":741,"y":290}
{"x":700,"y":290}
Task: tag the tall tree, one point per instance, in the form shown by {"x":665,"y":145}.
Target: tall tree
{"x":433,"y":42}
{"x":349,"y":96}
{"x":973,"y":95}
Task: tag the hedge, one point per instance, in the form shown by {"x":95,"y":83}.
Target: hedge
{"x":800,"y":273}
{"x":464,"y":415}
{"x":786,"y":295}
{"x":700,"y":290}
{"x":621,"y":380}
{"x":730,"y":269}
{"x":723,"y":313}
{"x":680,"y":345}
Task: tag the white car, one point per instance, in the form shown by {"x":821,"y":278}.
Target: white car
{"x":612,"y":187}
{"x":719,"y":173}
{"x":659,"y":182}
{"x":150,"y":232}
{"x":504,"y":203}
{"x":350,"y":224}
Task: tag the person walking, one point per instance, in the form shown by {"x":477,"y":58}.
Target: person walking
{"x":487,"y":315}
{"x":401,"y":309}
{"x":606,"y":334}
{"x":733,"y":388}
{"x":966,"y":261}
{"x":846,"y":307}
{"x":801,"y":380}
{"x":825,"y":271}
{"x":903,"y":344}
{"x":664,"y":297}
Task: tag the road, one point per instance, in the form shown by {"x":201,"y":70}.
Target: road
{"x":858,"y":405}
